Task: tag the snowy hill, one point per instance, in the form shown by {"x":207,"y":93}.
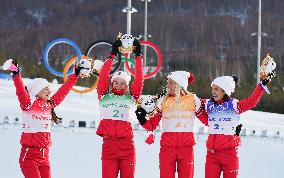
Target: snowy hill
{"x":76,"y":151}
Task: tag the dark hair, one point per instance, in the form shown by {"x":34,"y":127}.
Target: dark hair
{"x":54,"y":117}
{"x":225,"y":97}
{"x":236,"y":79}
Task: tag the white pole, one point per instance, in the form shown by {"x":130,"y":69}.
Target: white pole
{"x":128,"y":9}
{"x":258,"y":43}
{"x":145,"y":32}
{"x":128,"y":25}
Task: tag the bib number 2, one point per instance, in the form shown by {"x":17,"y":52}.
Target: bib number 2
{"x":116,"y":114}
{"x":216,"y":126}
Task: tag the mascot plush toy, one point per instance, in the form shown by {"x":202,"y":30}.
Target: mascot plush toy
{"x":150,"y":104}
{"x":267,"y":71}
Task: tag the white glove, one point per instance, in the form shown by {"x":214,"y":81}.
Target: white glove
{"x":98,"y":65}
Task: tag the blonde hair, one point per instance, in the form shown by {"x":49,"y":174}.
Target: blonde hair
{"x":178,"y":91}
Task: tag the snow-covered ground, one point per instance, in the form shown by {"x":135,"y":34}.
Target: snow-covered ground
{"x":76,"y":151}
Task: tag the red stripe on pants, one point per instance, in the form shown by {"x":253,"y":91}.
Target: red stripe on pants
{"x":180,"y":158}
{"x":34,"y":162}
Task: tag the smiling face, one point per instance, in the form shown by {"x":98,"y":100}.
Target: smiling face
{"x":217,"y":93}
{"x":171,"y":86}
{"x":119,"y":84}
{"x":44,"y":94}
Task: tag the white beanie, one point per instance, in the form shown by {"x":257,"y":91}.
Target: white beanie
{"x":122,"y":75}
{"x":182,"y":78}
{"x":36,"y":85}
{"x":227,"y":83}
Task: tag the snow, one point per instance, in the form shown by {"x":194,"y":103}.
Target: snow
{"x":76,"y":152}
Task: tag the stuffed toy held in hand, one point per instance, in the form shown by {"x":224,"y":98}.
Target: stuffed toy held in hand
{"x":148,"y":103}
{"x":86,"y":66}
{"x":267,"y":68}
{"x":127,"y":43}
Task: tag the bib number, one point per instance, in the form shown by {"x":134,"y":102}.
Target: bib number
{"x":180,"y":125}
{"x":25,"y":126}
{"x":216,"y":126}
{"x":116,"y":114}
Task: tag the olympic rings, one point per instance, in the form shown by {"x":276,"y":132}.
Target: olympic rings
{"x":100,"y":54}
{"x":53,"y":43}
{"x":117,"y":61}
{"x":159,"y":54}
{"x":127,"y":57}
{"x":67,"y":66}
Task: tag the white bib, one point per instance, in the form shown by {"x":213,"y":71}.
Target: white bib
{"x":179,"y":121}
{"x":116,"y":107}
{"x":223,"y":125}
{"x":117,"y":111}
{"x":33,"y":122}
{"x":222,"y":118}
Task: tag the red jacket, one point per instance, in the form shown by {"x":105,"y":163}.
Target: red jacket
{"x":221,"y":141}
{"x":39,"y":139}
{"x":116,"y":128}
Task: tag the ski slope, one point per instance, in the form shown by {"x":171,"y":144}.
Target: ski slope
{"x":76,"y":151}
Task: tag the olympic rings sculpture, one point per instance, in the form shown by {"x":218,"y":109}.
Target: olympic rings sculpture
{"x":52,"y":44}
{"x":127,"y":59}
{"x":66,"y":68}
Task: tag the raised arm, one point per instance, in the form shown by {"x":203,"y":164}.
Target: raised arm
{"x":251,"y":101}
{"x":137,"y":85}
{"x":21,"y":92}
{"x":61,"y":93}
{"x":201,"y":113}
{"x":103,"y":83}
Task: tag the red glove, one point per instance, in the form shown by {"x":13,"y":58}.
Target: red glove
{"x":150,"y":138}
